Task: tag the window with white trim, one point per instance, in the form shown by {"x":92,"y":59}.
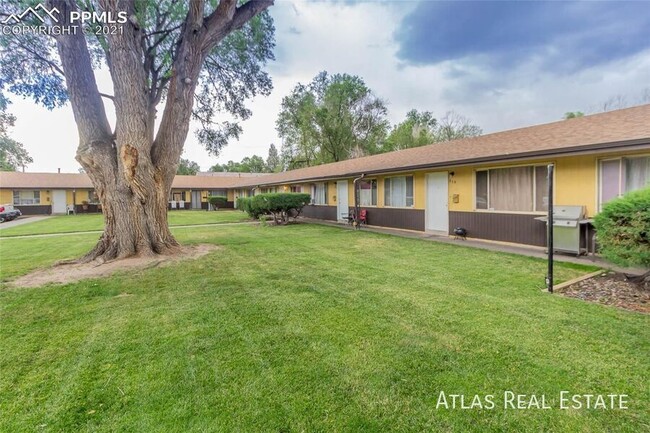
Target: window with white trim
{"x":319,"y":193}
{"x":368,"y":192}
{"x":398,"y":191}
{"x":622,"y":175}
{"x":514,"y":189}
{"x":296,"y":188}
{"x":23,"y":197}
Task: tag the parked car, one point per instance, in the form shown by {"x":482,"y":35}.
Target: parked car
{"x":8,"y":212}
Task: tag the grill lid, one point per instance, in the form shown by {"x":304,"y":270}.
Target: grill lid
{"x":563,"y":214}
{"x":568,"y":212}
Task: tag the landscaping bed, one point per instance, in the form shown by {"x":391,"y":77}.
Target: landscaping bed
{"x":612,"y":288}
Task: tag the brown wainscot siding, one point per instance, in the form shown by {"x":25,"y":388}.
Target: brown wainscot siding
{"x":229,"y":205}
{"x":36,"y":209}
{"x":410,"y":219}
{"x":320,"y":212}
{"x":91,"y":208}
{"x":516,"y":228}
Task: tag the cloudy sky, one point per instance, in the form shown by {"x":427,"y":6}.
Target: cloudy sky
{"x":502,"y":64}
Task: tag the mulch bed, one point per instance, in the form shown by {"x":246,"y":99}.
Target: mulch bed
{"x":612,"y":288}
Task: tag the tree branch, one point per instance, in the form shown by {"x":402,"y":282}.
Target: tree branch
{"x":228,"y":18}
{"x":48,"y":62}
{"x":84,"y":95}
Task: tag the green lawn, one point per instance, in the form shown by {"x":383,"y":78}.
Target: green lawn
{"x":309,"y":328}
{"x":91,"y":222}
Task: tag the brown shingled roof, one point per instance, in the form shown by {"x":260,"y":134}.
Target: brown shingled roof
{"x":15,"y":179}
{"x":10,"y":179}
{"x":611,"y":128}
{"x":608,"y":130}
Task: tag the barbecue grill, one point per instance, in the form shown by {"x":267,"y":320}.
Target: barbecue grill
{"x":567,"y":221}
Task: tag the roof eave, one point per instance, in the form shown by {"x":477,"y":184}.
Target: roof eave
{"x":635,"y":144}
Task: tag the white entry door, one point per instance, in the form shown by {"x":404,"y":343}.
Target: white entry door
{"x":342,"y":199}
{"x":58,"y":201}
{"x":437,"y":211}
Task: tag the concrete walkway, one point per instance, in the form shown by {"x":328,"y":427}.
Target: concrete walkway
{"x":23,"y":220}
{"x":524,"y":250}
{"x":89,"y":232}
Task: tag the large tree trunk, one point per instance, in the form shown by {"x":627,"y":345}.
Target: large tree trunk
{"x":134,"y":225}
{"x":132,"y":189}
{"x":131,"y":170}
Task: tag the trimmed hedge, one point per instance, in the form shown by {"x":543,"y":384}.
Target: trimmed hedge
{"x":246,"y":204}
{"x":218,"y":201}
{"x":281,"y":206}
{"x":623,"y":229}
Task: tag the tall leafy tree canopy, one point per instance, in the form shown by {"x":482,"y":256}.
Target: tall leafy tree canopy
{"x":187,"y":167}
{"x":333,"y":118}
{"x":273,"y":162}
{"x":232,"y":73}
{"x":454,"y":126}
{"x":196,"y":59}
{"x":418,"y":129}
{"x":249,"y":164}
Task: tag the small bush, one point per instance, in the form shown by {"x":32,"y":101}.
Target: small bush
{"x":246,"y":204}
{"x":281,"y":206}
{"x":623,"y":229}
{"x":218,"y":201}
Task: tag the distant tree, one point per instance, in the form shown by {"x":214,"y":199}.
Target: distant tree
{"x":295,"y":126}
{"x":218,"y":168}
{"x":454,"y":126}
{"x":645,"y":96}
{"x":188,"y":167}
{"x":418,"y":129}
{"x":234,"y":167}
{"x":13,"y":154}
{"x":334,"y":118}
{"x":81,"y":170}
{"x":273,"y":163}
{"x":253,"y":164}
{"x":573,"y":115}
{"x":619,"y":102}
{"x":250,"y":164}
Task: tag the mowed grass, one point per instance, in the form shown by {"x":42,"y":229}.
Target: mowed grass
{"x":94,"y":222}
{"x":309,"y":328}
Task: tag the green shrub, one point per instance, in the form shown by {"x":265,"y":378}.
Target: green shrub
{"x":218,"y":201}
{"x":623,"y":229}
{"x":281,"y":206}
{"x":241,"y":203}
{"x":246,"y":204}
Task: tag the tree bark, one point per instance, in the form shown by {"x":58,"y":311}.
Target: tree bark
{"x":131,"y":170}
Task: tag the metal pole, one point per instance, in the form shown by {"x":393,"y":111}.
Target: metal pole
{"x":549,"y":229}
{"x":357,"y":196}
